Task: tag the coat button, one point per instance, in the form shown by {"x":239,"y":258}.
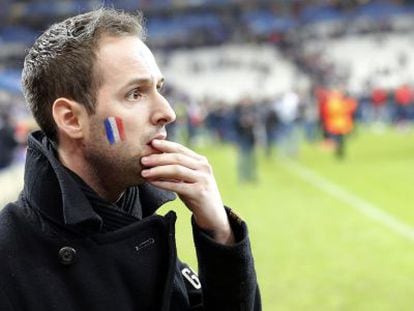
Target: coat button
{"x":67,"y":255}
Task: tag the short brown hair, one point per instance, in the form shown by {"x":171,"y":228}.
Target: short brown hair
{"x":61,"y":62}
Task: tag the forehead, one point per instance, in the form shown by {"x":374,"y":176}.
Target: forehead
{"x":124,"y":58}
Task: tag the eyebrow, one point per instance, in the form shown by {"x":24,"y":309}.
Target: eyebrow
{"x":144,"y":81}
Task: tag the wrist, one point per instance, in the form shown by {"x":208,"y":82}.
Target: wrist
{"x":220,"y":231}
{"x":225,"y":237}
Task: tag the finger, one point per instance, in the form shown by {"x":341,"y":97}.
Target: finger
{"x":169,"y":172}
{"x":170,"y":159}
{"x":177,"y":187}
{"x":173,"y":147}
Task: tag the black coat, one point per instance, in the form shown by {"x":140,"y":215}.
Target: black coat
{"x":51,"y":259}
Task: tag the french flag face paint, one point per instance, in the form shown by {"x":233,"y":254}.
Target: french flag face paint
{"x":114,"y":128}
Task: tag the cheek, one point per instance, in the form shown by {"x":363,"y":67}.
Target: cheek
{"x":95,"y":131}
{"x":114,"y":130}
{"x":136,"y":129}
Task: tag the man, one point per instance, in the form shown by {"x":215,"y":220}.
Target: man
{"x":84,"y":234}
{"x":339,"y":119}
{"x":245,"y":123}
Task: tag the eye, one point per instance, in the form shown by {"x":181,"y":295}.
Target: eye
{"x":134,"y":95}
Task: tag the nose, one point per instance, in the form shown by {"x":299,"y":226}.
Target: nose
{"x":163,"y":113}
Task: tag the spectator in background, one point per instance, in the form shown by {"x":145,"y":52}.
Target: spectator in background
{"x":310,"y":116}
{"x":220,"y":122}
{"x":84,"y":234}
{"x":195,"y":121}
{"x":245,"y":124}
{"x":288,"y":114}
{"x":404,"y":96}
{"x":379,"y":100}
{"x":8,"y":142}
{"x":321,"y":95}
{"x":271,"y":123}
{"x":339,"y":119}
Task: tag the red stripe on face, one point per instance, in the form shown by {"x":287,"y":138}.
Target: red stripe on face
{"x":121,"y":129}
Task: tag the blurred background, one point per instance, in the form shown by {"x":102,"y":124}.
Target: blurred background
{"x":305,"y":110}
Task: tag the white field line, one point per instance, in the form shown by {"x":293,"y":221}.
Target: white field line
{"x":361,"y":205}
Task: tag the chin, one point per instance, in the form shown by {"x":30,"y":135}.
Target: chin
{"x":134,"y":181}
{"x":139,"y":180}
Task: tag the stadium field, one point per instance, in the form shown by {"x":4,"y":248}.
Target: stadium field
{"x":327,"y":234}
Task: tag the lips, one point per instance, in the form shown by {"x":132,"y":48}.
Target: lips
{"x":150,"y":148}
{"x":159,"y":136}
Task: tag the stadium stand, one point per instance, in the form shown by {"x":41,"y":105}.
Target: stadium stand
{"x":371,"y":59}
{"x":173,"y":23}
{"x":231,"y":72}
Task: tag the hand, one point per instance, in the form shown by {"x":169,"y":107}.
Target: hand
{"x":190,"y":175}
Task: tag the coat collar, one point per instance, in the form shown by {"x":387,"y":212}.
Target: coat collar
{"x":52,"y":190}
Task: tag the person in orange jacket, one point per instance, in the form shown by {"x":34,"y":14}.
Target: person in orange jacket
{"x":339,"y":119}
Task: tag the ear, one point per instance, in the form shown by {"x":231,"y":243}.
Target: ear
{"x":69,"y":116}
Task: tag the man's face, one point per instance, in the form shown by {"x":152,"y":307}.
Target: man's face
{"x":130,"y":111}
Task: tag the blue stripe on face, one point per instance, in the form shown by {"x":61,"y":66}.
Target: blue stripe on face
{"x":109,"y":132}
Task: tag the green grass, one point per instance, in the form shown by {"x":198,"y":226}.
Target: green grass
{"x":313,"y":251}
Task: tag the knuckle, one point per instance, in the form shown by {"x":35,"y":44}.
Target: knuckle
{"x":203,"y":192}
{"x":199,"y":189}
{"x":204,"y":178}
{"x":177,"y":158}
{"x":178,"y":170}
{"x":181,"y":148}
{"x":204,"y":159}
{"x":207,"y":166}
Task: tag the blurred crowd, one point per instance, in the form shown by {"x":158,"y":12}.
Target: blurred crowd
{"x":326,"y":116}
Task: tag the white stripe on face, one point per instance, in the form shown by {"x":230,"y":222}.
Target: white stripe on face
{"x":114,"y":128}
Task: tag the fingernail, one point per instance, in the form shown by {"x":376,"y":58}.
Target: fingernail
{"x":145,"y":160}
{"x":145,"y":173}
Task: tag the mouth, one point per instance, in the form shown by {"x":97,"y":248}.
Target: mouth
{"x":160,"y":136}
